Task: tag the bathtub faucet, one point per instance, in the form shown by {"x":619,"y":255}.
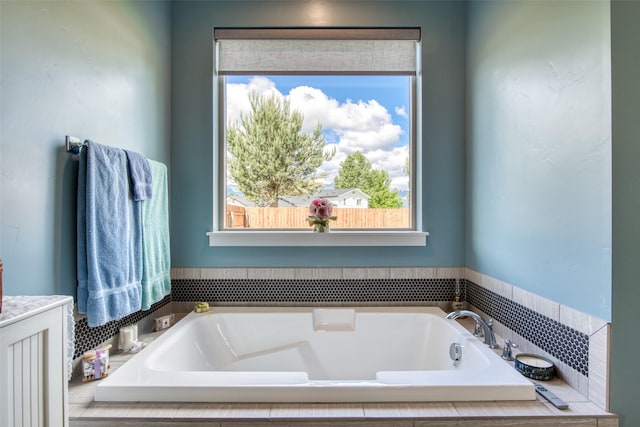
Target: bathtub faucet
{"x":487,"y":327}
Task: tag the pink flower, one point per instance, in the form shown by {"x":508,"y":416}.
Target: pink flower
{"x":320,"y":211}
{"x":323,"y":211}
{"x":321,"y":208}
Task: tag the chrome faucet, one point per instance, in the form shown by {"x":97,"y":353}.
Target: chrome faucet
{"x":507,"y":354}
{"x":487,"y":327}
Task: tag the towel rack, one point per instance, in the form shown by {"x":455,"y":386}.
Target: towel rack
{"x":73,"y":144}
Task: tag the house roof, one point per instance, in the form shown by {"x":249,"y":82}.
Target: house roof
{"x":340,"y":193}
{"x":292,"y":201}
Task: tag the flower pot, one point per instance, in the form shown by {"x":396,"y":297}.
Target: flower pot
{"x":321,"y":227}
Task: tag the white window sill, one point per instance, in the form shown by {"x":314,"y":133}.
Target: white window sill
{"x":309,"y":238}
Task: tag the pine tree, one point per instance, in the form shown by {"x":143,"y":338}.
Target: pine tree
{"x":382,"y":195}
{"x":356,"y":172}
{"x":269,"y":155}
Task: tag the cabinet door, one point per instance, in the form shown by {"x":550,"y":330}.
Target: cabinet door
{"x":33,"y":370}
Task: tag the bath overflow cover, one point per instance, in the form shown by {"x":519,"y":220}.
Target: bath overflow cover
{"x":455,"y":352}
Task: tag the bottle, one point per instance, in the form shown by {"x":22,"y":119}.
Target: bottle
{"x":0,"y":285}
{"x":457,"y":304}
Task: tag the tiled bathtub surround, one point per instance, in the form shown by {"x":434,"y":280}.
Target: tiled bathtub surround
{"x":577,"y":343}
{"x":563,"y":337}
{"x":561,"y":341}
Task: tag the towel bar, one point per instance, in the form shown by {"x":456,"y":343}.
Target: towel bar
{"x":73,"y":144}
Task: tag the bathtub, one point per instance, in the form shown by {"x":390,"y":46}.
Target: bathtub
{"x":315,"y":355}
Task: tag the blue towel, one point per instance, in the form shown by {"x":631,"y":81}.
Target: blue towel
{"x":140,"y":175}
{"x":109,"y":237}
{"x":156,"y":261}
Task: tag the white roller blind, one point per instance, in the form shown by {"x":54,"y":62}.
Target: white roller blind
{"x":317,"y":51}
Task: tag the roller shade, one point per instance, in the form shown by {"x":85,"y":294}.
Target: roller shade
{"x":317,"y":51}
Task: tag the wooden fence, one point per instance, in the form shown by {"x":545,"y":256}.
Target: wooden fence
{"x":287,"y":218}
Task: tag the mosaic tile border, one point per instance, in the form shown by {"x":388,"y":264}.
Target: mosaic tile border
{"x":321,"y":291}
{"x":87,"y":338}
{"x":561,"y":341}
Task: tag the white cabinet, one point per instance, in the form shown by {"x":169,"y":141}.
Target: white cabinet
{"x":33,"y":361}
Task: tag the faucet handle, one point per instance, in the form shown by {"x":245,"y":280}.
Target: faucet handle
{"x":506,"y":350}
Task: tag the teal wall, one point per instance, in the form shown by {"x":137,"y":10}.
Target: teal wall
{"x":98,"y":70}
{"x":539,"y":148}
{"x":443,"y":29}
{"x":106,"y":69}
{"x":625,"y":69}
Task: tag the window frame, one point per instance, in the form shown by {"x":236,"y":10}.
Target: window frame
{"x":221,"y":236}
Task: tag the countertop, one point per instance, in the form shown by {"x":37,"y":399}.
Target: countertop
{"x":16,"y":308}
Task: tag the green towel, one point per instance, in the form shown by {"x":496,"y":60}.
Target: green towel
{"x":156,"y":260}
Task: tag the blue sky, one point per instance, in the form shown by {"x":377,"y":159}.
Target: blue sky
{"x":358,"y":113}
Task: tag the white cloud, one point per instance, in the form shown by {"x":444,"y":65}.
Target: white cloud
{"x":358,"y":126}
{"x":402,"y":112}
{"x":238,"y":95}
{"x":393,"y":162}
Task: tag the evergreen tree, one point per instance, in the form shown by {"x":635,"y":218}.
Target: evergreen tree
{"x":356,"y":172}
{"x":268,"y":155}
{"x":382,"y":195}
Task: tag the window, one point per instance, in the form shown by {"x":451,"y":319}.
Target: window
{"x":316,"y":113}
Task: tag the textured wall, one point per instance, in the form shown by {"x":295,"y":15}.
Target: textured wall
{"x":98,"y":70}
{"x":443,"y":26}
{"x":539,"y":149}
{"x":625,"y":53}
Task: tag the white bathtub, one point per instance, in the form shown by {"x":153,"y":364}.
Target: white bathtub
{"x":315,"y":355}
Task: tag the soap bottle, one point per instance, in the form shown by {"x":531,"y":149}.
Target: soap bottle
{"x":457,"y":304}
{"x":0,"y":285}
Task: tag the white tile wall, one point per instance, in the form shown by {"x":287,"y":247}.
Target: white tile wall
{"x":537,"y":303}
{"x":580,"y":321}
{"x":318,"y":273}
{"x":222,"y":273}
{"x":412,"y":273}
{"x":494,"y":285}
{"x":599,"y":366}
{"x":271,"y":273}
{"x":365,"y":273}
{"x":450,"y":273}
